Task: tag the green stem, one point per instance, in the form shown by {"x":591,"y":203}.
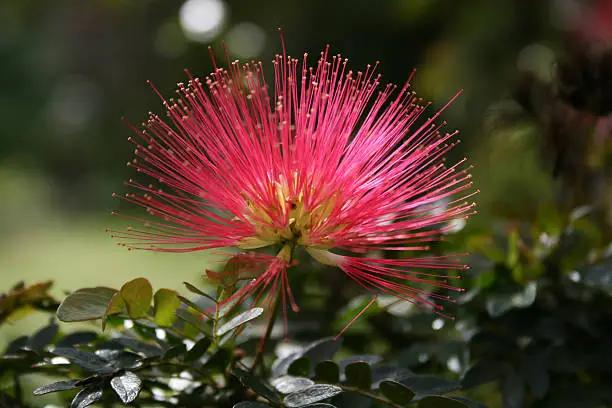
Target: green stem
{"x":17,"y":388}
{"x":264,"y":339}
{"x":370,"y":395}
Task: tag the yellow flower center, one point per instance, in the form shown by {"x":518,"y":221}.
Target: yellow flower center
{"x":296,"y":220}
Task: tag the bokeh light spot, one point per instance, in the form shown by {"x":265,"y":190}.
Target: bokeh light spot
{"x":202,"y":20}
{"x":246,"y":40}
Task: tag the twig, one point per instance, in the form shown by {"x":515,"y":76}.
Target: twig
{"x":262,"y":342}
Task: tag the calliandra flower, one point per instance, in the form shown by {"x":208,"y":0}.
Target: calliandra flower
{"x":331,"y":160}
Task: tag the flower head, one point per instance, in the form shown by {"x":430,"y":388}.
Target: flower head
{"x":330,"y":160}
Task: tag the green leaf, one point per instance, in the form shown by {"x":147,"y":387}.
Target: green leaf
{"x":353,"y":399}
{"x":16,"y":345}
{"x":366,"y":358}
{"x":219,"y":360}
{"x":396,"y":392}
{"x":258,"y":385}
{"x":497,"y":305}
{"x":175,"y":351}
{"x":80,"y":337}
{"x":87,"y":396}
{"x":598,"y":275}
{"x":534,"y":370}
{"x":483,"y":371}
{"x":239,"y":320}
{"x":288,"y":384}
{"x":165,"y":303}
{"x":323,"y":349}
{"x":57,"y":386}
{"x":198,"y":349}
{"x":85,"y":359}
{"x":299,"y":367}
{"x":85,"y":304}
{"x":191,"y":304}
{"x":43,"y":337}
{"x":320,"y":405}
{"x":513,"y":390}
{"x":382,"y":373}
{"x":251,"y":404}
{"x":197,"y":291}
{"x":195,"y":321}
{"x":120,"y":359}
{"x":116,"y":305}
{"x":310,"y":395}
{"x":468,"y":402}
{"x":127,"y":386}
{"x":149,"y":350}
{"x":435,"y":401}
{"x":359,"y":374}
{"x":137,"y":294}
{"x":328,"y":372}
{"x":430,"y":385}
{"x":281,"y":365}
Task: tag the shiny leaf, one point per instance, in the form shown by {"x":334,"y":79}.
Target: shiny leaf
{"x":239,"y":320}
{"x":86,"y":397}
{"x":288,"y":384}
{"x":127,"y":386}
{"x":310,"y":395}
{"x":250,"y":404}
{"x":57,"y":386}
{"x":85,"y":359}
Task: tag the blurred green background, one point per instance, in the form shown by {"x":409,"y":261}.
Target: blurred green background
{"x":69,"y":70}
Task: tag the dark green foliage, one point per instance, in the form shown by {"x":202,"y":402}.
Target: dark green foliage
{"x":359,"y":374}
{"x":299,"y":367}
{"x":141,"y":366}
{"x":396,"y":392}
{"x":57,"y":386}
{"x":327,"y":372}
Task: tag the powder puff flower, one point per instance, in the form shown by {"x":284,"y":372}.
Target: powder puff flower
{"x":330,"y":161}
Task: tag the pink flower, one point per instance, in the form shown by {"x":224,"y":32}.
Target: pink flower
{"x":329,"y":161}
